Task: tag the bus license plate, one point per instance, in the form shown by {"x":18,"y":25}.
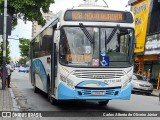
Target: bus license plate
{"x":97,"y":93}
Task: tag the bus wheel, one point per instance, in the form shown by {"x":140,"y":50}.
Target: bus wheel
{"x":35,"y":89}
{"x":53,"y":101}
{"x":48,"y":88}
{"x":103,"y":103}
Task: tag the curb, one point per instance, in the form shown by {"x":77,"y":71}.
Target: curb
{"x":15,"y":106}
{"x":154,"y":95}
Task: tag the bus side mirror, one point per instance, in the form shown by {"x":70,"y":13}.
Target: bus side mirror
{"x":56,"y":36}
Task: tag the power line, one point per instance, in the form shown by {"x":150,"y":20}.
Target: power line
{"x":23,"y":29}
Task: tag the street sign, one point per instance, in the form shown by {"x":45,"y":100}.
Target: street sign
{"x":9,"y":26}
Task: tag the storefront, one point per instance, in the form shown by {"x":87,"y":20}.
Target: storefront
{"x":146,"y":62}
{"x":154,"y":67}
{"x":152,"y":48}
{"x":147,"y":29}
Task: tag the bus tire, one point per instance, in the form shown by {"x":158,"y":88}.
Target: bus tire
{"x":48,"y":87}
{"x":53,"y":101}
{"x":103,"y":103}
{"x":35,"y":89}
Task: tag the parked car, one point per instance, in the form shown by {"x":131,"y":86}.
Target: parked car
{"x":139,"y":84}
{"x":27,"y":69}
{"x":22,"y":69}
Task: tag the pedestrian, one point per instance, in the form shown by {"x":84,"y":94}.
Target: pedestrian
{"x":148,"y":75}
{"x":145,"y":74}
{"x":6,"y":75}
{"x":9,"y":70}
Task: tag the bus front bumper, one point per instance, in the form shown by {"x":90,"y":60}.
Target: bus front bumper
{"x":67,"y":93}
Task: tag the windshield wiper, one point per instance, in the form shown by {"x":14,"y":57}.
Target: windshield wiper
{"x":111,"y":35}
{"x":85,"y":31}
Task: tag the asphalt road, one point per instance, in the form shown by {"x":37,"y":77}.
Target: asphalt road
{"x":30,"y":101}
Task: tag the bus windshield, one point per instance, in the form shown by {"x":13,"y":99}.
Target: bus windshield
{"x":112,"y":44}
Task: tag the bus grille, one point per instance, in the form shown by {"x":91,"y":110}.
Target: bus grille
{"x":100,"y":74}
{"x":108,"y":92}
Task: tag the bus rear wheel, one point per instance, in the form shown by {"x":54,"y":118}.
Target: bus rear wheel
{"x":35,"y":89}
{"x":53,"y":101}
{"x":103,"y":103}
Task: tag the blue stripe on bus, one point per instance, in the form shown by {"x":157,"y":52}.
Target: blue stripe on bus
{"x":39,"y":69}
{"x":99,"y":83}
{"x":67,"y":93}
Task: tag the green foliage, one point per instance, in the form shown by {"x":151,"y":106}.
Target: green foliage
{"x":22,"y":61}
{"x":7,"y":53}
{"x":24,"y":47}
{"x":28,"y":10}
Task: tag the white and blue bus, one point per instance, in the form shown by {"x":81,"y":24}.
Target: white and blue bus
{"x":84,"y":53}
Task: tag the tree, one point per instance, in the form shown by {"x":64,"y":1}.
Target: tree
{"x":7,"y":53}
{"x":24,"y":47}
{"x":28,"y":10}
{"x":22,"y":61}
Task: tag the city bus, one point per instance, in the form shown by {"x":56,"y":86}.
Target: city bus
{"x":84,"y":53}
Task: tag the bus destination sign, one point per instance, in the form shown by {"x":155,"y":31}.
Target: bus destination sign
{"x":98,"y":16}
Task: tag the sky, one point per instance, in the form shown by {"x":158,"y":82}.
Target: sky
{"x":24,"y":30}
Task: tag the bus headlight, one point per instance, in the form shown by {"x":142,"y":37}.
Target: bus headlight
{"x":125,"y":83}
{"x":68,"y":82}
{"x":63,"y":78}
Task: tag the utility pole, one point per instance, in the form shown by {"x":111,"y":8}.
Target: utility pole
{"x":4,"y":44}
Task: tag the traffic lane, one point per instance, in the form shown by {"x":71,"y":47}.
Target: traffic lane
{"x":24,"y":92}
{"x":40,"y":102}
{"x":137,"y":103}
{"x":28,"y":100}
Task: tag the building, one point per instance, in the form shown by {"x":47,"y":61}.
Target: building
{"x":36,"y":28}
{"x":147,"y":30}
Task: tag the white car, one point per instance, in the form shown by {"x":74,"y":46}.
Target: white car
{"x":22,"y":69}
{"x":27,"y":69}
{"x":139,"y":84}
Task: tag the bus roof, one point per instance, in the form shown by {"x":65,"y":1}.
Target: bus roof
{"x":57,"y":17}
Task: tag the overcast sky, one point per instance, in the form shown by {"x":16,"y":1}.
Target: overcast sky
{"x":24,"y":30}
{"x":62,"y":4}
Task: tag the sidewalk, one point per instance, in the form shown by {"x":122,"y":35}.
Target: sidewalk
{"x":5,"y":99}
{"x":7,"y":102}
{"x":155,"y":93}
